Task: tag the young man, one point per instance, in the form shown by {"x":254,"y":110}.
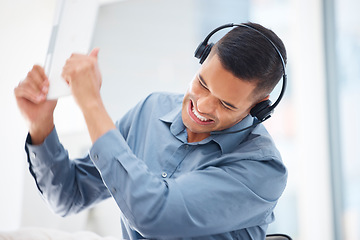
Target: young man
{"x":168,"y":163}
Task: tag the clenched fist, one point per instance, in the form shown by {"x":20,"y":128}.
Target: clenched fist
{"x":82,"y":74}
{"x":31,"y":99}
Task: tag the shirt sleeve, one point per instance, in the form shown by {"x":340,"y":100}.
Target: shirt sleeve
{"x":68,"y":186}
{"x":213,"y":200}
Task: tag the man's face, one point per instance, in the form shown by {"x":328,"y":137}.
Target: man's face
{"x":215,"y":100}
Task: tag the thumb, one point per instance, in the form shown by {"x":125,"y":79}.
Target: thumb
{"x":94,"y":52}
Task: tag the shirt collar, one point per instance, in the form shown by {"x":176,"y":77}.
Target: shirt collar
{"x":174,"y":118}
{"x":227,"y":142}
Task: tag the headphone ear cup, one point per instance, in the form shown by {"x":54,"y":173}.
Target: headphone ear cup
{"x":202,"y":51}
{"x":262,"y":110}
{"x":206,"y":52}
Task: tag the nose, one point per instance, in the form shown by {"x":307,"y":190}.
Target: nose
{"x":206,"y":104}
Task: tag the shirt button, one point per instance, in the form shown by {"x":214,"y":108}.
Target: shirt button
{"x":32,"y":155}
{"x":164,"y":174}
{"x":96,"y":157}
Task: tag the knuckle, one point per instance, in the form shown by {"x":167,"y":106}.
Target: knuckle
{"x":76,"y":69}
{"x":68,"y":61}
{"x":30,"y":75}
{"x":36,"y":68}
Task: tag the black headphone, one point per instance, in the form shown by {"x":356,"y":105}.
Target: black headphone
{"x":263,"y":110}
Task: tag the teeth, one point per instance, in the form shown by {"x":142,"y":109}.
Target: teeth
{"x":201,"y":118}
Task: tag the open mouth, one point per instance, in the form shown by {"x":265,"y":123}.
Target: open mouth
{"x":197,"y":117}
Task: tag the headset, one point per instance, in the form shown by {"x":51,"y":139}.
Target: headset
{"x":262,"y":110}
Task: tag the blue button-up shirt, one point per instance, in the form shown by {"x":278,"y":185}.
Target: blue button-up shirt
{"x":224,"y":187}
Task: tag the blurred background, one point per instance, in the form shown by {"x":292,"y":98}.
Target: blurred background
{"x":148,"y":45}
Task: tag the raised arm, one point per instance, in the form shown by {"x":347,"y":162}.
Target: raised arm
{"x":31,"y":99}
{"x":82,"y":74}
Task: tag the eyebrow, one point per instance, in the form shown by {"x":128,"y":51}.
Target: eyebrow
{"x":225,"y":102}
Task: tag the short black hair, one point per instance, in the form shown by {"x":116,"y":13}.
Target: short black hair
{"x":251,"y":57}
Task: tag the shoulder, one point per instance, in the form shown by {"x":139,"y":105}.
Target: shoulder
{"x":258,"y":145}
{"x":157,"y":101}
{"x":152,"y":107}
{"x":160,"y":103}
{"x":260,"y":159}
{"x":164,"y":98}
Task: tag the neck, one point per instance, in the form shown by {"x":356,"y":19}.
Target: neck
{"x":196,"y":137}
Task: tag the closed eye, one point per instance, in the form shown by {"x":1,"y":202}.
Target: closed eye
{"x":202,"y":84}
{"x":224,"y":104}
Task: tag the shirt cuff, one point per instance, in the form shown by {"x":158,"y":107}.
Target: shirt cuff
{"x":42,"y":153}
{"x":107,"y":147}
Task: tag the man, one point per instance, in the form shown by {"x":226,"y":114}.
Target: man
{"x":168,"y":163}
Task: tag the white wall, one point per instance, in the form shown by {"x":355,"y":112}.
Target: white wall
{"x":24,"y":30}
{"x":315,"y":202}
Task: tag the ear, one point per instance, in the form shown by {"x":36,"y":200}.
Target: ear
{"x":262,"y":110}
{"x":262,"y":100}
{"x":266,"y":98}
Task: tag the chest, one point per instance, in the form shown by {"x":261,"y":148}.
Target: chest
{"x":168,"y":157}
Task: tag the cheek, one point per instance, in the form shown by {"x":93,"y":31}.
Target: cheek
{"x":194,"y":88}
{"x":226,"y":118}
{"x":230,"y":119}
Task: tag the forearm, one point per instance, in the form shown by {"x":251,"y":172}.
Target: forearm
{"x":68,"y":186}
{"x":82,"y":74}
{"x":39,"y":131}
{"x":97,"y":120}
{"x":31,"y":99}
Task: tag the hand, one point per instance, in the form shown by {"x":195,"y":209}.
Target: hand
{"x":31,"y":99}
{"x":82,"y":74}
